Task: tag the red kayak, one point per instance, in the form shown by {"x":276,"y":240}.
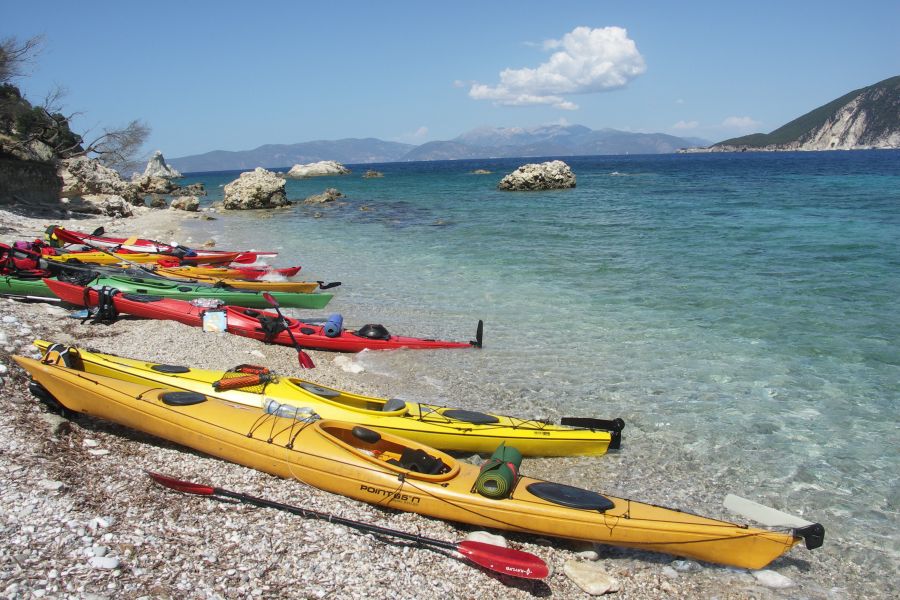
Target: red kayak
{"x":97,"y":239}
{"x":257,"y":324}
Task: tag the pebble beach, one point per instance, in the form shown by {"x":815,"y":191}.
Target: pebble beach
{"x":81,"y":519}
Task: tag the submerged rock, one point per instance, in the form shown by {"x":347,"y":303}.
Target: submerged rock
{"x":550,"y":175}
{"x":329,"y":195}
{"x":372,"y":173}
{"x":255,"y":189}
{"x":317,"y":169}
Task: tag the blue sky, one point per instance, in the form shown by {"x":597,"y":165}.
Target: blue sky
{"x":236,"y":75}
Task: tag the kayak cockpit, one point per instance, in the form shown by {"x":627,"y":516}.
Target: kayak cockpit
{"x":393,"y":407}
{"x":391,"y":452}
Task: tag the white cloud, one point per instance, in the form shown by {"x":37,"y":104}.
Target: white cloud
{"x":586,"y":61}
{"x":421,"y":132}
{"x":683,"y":125}
{"x":741,"y":123}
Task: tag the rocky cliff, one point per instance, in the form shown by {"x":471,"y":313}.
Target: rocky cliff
{"x":863,"y":119}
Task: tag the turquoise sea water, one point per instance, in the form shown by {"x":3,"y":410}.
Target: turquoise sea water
{"x":739,"y":311}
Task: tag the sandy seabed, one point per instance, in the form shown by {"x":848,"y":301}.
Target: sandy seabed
{"x":79,"y":518}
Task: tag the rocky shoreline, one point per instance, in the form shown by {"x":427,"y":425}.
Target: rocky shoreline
{"x":81,"y":519}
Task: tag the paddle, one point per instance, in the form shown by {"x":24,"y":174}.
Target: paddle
{"x":302,"y":357}
{"x":813,"y":534}
{"x":478,"y":342}
{"x":507,"y":561}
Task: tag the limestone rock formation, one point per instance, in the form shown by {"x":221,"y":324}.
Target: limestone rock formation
{"x":255,"y":189}
{"x":866,"y":118}
{"x":157,"y":167}
{"x":154,"y":184}
{"x":329,"y":195}
{"x":550,"y":175}
{"x":317,"y":169}
{"x":188,"y":203}
{"x":88,"y":179}
{"x":372,"y":173}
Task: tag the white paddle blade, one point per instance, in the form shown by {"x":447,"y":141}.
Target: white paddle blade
{"x":761,"y":513}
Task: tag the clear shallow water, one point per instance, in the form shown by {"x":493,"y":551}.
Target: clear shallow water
{"x":738,"y":310}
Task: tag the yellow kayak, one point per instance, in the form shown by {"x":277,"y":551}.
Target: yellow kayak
{"x":104,"y":258}
{"x":438,"y":426}
{"x":390,"y":471}
{"x":301,"y":287}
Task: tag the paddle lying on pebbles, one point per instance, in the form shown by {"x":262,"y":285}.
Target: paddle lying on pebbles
{"x":302,"y":357}
{"x":507,"y":561}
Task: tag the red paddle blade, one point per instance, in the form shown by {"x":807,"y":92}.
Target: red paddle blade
{"x":508,"y":561}
{"x":270,"y":299}
{"x":182,"y":486}
{"x":305,"y":360}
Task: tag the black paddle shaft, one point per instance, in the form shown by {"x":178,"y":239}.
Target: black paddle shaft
{"x":312,"y":514}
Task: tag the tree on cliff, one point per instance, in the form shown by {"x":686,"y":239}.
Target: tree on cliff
{"x":42,"y":132}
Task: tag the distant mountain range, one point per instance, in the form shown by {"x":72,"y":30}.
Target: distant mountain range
{"x":485,"y":142}
{"x":865,"y":118}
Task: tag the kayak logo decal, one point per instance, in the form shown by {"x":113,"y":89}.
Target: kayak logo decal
{"x":393,"y":496}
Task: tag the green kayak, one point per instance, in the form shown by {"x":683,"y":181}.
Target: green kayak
{"x":36,"y":288}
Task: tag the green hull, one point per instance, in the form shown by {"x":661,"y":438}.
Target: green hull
{"x":182,"y":291}
{"x":34,"y":288}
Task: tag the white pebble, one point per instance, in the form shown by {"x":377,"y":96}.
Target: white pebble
{"x":48,"y":484}
{"x":685,"y":566}
{"x":771,"y":579}
{"x":104,"y":562}
{"x":89,"y":443}
{"x":9,"y":319}
{"x":590,"y":577}
{"x":487,"y":538}
{"x":100,"y":523}
{"x":3,"y":369}
{"x":669,"y":572}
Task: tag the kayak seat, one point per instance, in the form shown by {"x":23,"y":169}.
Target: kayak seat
{"x":470,"y":416}
{"x":319,"y":391}
{"x":182,"y":398}
{"x":567,"y":495}
{"x":365,"y":434}
{"x":419,"y":461}
{"x":393,"y":404}
{"x":252,"y":313}
{"x":271,"y":326}
{"x":170,"y":369}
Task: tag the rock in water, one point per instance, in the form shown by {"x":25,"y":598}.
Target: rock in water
{"x":552,"y":175}
{"x":590,"y":578}
{"x":317,"y":169}
{"x":255,"y":189}
{"x":157,"y":167}
{"x":188,"y":203}
{"x":329,"y":195}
